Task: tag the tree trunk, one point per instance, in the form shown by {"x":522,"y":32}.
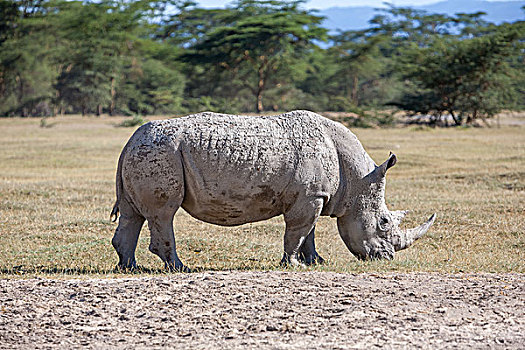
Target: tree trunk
{"x":260,"y":88}
{"x":470,"y":118}
{"x":56,"y":107}
{"x":113,"y":93}
{"x":354,"y":90}
{"x":21,"y":94}
{"x":259,"y":108}
{"x":456,"y":120}
{"x":99,"y":110}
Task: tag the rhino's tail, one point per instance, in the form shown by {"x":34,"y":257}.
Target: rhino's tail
{"x":119,"y":187}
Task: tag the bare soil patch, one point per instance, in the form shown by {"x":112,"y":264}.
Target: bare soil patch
{"x":266,"y":310}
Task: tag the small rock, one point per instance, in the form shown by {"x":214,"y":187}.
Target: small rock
{"x":271,"y":328}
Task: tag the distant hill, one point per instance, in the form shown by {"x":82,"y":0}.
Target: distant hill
{"x":351,"y":18}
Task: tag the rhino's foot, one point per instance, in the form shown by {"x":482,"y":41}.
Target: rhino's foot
{"x":312,"y":259}
{"x":172,"y":267}
{"x":291,"y":261}
{"x":129,"y":266}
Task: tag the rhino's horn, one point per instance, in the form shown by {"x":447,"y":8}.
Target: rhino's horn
{"x":405,"y":238}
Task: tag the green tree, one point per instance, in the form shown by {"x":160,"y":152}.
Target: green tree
{"x":150,"y":87}
{"x":27,"y":69}
{"x":99,"y":41}
{"x":166,"y":56}
{"x":182,"y":23}
{"x":467,"y":79}
{"x":361,"y":67}
{"x":260,"y":39}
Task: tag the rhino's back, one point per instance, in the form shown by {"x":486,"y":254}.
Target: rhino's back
{"x":240,"y":169}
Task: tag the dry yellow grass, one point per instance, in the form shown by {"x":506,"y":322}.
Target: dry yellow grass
{"x":57,"y":189}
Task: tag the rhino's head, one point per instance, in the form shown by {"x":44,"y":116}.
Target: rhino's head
{"x":369,"y":229}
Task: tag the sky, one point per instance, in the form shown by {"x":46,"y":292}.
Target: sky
{"x":322,"y":4}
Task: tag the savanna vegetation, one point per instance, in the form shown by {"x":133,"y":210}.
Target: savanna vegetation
{"x":140,"y":58}
{"x":57,"y":191}
{"x":173,"y":57}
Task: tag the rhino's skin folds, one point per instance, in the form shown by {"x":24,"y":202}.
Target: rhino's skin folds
{"x":231,"y":170}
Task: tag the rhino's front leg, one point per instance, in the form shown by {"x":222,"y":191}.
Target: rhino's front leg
{"x":307,"y":254}
{"x":293,"y":239}
{"x":300,"y":222}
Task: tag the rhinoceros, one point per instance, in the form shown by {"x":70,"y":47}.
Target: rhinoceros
{"x":231,"y":170}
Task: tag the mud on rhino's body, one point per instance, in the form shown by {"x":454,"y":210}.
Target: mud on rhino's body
{"x":230,"y":170}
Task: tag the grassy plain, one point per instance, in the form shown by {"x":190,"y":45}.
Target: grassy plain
{"x":57,"y":190}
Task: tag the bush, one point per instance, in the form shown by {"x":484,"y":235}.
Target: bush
{"x":137,"y":120}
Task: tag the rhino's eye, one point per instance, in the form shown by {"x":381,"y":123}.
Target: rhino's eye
{"x":384,"y":224}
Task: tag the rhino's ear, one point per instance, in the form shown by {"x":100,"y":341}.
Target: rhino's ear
{"x":390,"y":162}
{"x":380,"y":171}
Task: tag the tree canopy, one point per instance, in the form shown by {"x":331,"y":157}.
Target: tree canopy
{"x":171,"y":56}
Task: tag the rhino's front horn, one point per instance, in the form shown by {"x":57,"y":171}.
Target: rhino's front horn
{"x":407,"y":237}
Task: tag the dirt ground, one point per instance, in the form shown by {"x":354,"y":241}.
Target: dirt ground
{"x":266,"y":310}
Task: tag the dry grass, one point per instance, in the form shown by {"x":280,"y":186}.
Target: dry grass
{"x":57,"y":189}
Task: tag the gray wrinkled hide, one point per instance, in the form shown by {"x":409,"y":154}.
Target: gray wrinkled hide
{"x":230,"y":170}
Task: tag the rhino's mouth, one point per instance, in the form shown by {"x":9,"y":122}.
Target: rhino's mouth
{"x":383,"y":250}
{"x":380,"y":255}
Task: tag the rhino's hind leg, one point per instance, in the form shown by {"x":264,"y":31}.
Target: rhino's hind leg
{"x":126,"y":236}
{"x":156,"y":180}
{"x":307,"y":254}
{"x":300,"y":222}
{"x":160,"y":222}
{"x":163,"y":241}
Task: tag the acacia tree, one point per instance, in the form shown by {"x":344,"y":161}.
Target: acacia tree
{"x":182,"y":23}
{"x":27,"y":69}
{"x":360,"y":63}
{"x":98,"y":42}
{"x":468,"y":79}
{"x":256,"y":41}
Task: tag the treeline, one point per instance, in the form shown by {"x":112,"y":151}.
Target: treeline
{"x":172,"y":57}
